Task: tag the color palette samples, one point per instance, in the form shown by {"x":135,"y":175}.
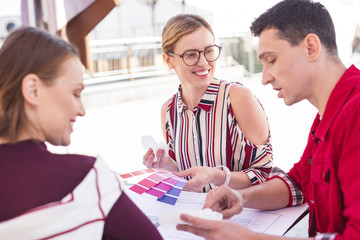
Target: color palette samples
{"x":137,"y":173}
{"x":147,"y":183}
{"x":161,"y":184}
{"x":171,"y":196}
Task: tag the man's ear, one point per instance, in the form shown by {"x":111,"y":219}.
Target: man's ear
{"x":167,"y":60}
{"x":313,"y":46}
{"x":29,"y":88}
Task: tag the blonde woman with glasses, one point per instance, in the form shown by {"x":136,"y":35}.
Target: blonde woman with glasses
{"x":216,"y":131}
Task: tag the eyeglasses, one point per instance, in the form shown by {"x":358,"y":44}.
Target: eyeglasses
{"x":192,"y":57}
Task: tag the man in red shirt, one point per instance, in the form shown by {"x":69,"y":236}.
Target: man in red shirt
{"x":298,"y":51}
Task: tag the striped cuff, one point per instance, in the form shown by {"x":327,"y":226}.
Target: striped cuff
{"x":255,"y":176}
{"x":296,"y":197}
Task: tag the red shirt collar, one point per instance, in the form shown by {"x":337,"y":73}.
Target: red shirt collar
{"x":349,"y":80}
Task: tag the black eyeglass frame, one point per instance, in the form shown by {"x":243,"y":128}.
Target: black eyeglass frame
{"x":182,"y":55}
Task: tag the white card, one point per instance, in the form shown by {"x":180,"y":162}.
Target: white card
{"x":173,"y":217}
{"x":149,"y":142}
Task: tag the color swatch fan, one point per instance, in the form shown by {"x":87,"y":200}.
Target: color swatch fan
{"x":161,"y":184}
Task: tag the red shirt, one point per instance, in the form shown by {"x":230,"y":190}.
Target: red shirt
{"x":328,"y":173}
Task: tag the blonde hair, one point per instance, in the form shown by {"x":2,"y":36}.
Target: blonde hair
{"x":179,"y":26}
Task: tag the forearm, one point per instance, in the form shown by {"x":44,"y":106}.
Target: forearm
{"x":238,"y":180}
{"x":273,"y":194}
{"x":220,"y":230}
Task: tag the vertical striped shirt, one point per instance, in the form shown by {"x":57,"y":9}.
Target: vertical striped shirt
{"x":210,"y":136}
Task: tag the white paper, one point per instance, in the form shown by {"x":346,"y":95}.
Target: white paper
{"x":173,"y":217}
{"x":275,"y":222}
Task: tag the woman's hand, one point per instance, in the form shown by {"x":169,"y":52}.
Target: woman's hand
{"x":200,"y":176}
{"x":162,"y":161}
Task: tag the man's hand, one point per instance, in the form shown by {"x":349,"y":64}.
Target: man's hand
{"x":224,"y":200}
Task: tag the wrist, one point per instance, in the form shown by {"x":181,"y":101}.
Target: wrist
{"x":227,"y":174}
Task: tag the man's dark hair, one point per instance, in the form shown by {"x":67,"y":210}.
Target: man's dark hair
{"x":294,"y":19}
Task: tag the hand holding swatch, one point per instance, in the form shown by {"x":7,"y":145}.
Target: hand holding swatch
{"x":149,"y":142}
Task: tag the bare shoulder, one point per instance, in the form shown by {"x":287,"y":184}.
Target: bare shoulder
{"x":239,"y":94}
{"x":249,"y":114}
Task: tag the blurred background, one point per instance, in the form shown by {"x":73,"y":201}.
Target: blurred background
{"x":127,"y":81}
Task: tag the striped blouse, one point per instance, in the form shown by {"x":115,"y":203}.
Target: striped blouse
{"x":210,"y":136}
